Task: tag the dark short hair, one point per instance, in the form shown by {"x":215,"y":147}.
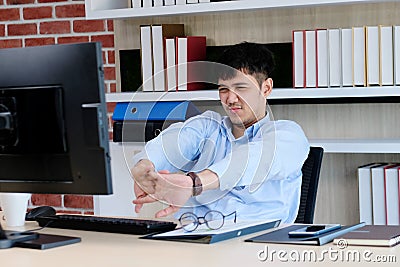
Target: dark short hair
{"x":251,"y":58}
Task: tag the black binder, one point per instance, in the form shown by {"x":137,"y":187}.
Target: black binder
{"x":281,"y":236}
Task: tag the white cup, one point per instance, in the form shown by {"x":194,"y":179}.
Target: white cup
{"x":14,"y":207}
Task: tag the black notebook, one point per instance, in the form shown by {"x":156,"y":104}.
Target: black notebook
{"x":46,"y":241}
{"x":282,"y":235}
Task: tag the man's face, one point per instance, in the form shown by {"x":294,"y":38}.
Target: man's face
{"x":243,"y":99}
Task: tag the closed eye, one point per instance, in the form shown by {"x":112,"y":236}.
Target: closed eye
{"x":223,"y":90}
{"x":241,"y":88}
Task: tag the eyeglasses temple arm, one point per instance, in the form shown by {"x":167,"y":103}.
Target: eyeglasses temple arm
{"x":231,"y":214}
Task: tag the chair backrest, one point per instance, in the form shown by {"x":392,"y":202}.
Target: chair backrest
{"x":311,"y":169}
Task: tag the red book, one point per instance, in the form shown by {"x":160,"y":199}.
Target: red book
{"x":190,"y":49}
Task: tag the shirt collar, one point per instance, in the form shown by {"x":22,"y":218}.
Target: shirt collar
{"x":253,"y":129}
{"x":250,"y":131}
{"x":227,"y":127}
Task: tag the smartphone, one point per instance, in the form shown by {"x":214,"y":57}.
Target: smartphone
{"x":313,"y":230}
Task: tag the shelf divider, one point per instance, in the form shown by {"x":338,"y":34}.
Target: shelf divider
{"x":277,"y":94}
{"x":106,"y":9}
{"x":358,"y":145}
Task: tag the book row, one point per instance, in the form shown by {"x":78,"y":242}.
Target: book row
{"x":378,"y":188}
{"x":357,"y":56}
{"x":166,"y":54}
{"x":157,"y":3}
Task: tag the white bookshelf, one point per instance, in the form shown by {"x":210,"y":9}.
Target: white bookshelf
{"x":358,"y":145}
{"x":203,"y":95}
{"x":119,"y":9}
{"x":352,"y":134}
{"x":277,"y":93}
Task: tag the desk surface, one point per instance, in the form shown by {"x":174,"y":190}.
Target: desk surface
{"x":106,"y":249}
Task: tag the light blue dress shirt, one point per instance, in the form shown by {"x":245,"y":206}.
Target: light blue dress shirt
{"x":259,"y":173}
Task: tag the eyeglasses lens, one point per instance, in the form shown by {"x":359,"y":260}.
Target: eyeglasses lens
{"x":189,"y":222}
{"x":214,"y":219}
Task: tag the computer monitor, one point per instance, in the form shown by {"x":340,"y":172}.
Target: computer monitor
{"x":53,"y":123}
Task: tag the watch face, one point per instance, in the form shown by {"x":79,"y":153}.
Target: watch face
{"x":197,"y":190}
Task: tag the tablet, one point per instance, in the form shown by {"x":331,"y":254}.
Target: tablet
{"x":313,"y":230}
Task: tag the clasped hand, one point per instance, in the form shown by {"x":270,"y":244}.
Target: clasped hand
{"x":150,"y":186}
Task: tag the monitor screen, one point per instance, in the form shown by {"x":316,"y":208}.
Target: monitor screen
{"x":53,"y":123}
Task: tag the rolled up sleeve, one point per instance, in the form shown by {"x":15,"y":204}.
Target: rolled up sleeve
{"x":278,"y":152}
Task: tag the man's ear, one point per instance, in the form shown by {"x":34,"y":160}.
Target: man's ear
{"x":266,"y":87}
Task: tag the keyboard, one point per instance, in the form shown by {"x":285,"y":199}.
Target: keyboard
{"x":106,"y":224}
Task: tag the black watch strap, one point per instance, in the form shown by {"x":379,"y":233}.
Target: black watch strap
{"x":197,"y":186}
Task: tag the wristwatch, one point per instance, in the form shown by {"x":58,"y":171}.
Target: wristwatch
{"x":197,"y":186}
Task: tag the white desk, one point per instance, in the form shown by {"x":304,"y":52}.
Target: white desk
{"x":105,"y":249}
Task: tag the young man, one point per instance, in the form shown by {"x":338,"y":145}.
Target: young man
{"x":243,"y":162}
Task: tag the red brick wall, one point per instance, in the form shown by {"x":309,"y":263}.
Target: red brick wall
{"x":43,"y":22}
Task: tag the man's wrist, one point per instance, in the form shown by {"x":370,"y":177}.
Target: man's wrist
{"x":197,"y":185}
{"x":146,"y":162}
{"x":209,"y":179}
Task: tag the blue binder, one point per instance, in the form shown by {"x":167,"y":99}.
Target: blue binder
{"x":213,"y":238}
{"x":142,"y":121}
{"x":154,"y":111}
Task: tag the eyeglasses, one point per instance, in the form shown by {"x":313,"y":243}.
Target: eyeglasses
{"x":213,"y":219}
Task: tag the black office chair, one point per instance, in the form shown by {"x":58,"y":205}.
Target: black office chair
{"x":311,"y":169}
